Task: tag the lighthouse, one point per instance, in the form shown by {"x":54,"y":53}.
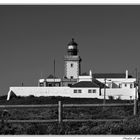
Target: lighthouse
{"x":72,"y":61}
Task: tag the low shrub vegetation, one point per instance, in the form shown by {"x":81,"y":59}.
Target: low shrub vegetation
{"x":130,"y":125}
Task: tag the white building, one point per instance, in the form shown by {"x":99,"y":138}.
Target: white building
{"x":75,"y":85}
{"x":116,"y":80}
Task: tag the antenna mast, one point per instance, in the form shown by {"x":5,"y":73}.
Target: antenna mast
{"x":54,"y":72}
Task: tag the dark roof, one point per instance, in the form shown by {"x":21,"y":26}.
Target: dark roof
{"x":101,"y":85}
{"x":110,"y":75}
{"x":85,"y":84}
{"x":72,"y":42}
{"x":51,"y":76}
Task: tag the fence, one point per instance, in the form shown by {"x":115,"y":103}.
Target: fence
{"x":60,"y":107}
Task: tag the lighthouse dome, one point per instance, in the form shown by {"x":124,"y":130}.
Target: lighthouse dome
{"x":72,"y":44}
{"x":72,"y":47}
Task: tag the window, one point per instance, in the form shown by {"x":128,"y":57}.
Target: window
{"x":75,"y":91}
{"x":71,"y":77}
{"x":92,"y":91}
{"x":125,"y":85}
{"x":89,"y":91}
{"x":79,"y":91}
{"x":71,"y":65}
{"x":131,"y":85}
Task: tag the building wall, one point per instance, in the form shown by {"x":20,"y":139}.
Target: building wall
{"x":69,"y":92}
{"x":52,"y":91}
{"x":118,"y":82}
{"x":72,"y":70}
{"x":119,"y":93}
{"x":38,"y":91}
{"x":84,"y":78}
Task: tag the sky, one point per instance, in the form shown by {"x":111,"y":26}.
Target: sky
{"x":32,"y":36}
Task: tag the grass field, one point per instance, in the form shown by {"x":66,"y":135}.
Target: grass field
{"x":130,"y":126}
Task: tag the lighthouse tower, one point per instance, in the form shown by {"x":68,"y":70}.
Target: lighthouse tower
{"x":72,"y":61}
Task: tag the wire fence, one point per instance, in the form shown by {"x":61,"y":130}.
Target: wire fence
{"x":60,"y":108}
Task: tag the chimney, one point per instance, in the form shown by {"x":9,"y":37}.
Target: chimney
{"x":126,"y":74}
{"x":90,"y":73}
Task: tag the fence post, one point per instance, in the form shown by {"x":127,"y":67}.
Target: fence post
{"x":135,"y":107}
{"x":135,"y":102}
{"x":60,"y":112}
{"x":104,"y":100}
